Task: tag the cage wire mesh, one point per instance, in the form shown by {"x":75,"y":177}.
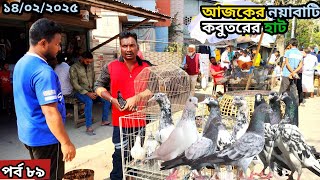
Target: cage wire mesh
{"x":168,"y":79}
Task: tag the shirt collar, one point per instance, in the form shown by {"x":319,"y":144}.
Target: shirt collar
{"x":138,"y":60}
{"x":36,"y":55}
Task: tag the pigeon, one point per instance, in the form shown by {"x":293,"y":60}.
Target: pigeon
{"x":150,"y":145}
{"x":291,"y":142}
{"x":242,"y":152}
{"x":268,"y":156}
{"x":166,"y":125}
{"x":182,"y":136}
{"x":122,"y":102}
{"x":242,"y":117}
{"x":274,"y":102}
{"x":291,"y":110}
{"x":137,"y":151}
{"x":206,"y":144}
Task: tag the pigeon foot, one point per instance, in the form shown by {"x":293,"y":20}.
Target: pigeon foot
{"x":173,"y":175}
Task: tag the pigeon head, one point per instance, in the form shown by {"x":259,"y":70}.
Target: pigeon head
{"x":238,"y":101}
{"x":258,"y":99}
{"x":192,"y":102}
{"x":211,"y":102}
{"x":273,"y":96}
{"x":285,"y":97}
{"x":159,"y":97}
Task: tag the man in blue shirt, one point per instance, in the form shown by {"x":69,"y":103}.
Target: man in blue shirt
{"x":293,"y":64}
{"x":39,"y":101}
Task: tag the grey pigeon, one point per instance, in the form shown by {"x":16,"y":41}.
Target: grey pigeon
{"x":291,"y":143}
{"x":242,"y":123}
{"x":291,"y":110}
{"x":166,"y":125}
{"x":182,"y":137}
{"x":268,"y":156}
{"x":206,"y":144}
{"x":242,"y":152}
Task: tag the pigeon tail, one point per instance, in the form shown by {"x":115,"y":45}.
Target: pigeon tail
{"x":178,"y":161}
{"x":315,"y":169}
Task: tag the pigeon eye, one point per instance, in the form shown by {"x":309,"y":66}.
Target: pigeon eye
{"x":189,"y":100}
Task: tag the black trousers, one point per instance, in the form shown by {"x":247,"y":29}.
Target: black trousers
{"x":52,"y":152}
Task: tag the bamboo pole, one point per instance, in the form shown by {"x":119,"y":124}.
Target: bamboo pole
{"x":254,"y":59}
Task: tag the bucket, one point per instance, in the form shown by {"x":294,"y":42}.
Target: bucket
{"x":79,"y":174}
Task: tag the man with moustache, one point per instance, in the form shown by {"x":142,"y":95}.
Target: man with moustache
{"x":39,"y":102}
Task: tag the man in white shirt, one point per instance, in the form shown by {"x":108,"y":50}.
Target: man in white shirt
{"x":274,"y":58}
{"x":62,"y":70}
{"x":244,"y":57}
{"x":225,"y":61}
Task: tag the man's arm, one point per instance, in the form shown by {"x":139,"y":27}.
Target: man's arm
{"x":75,"y":81}
{"x":184,"y":62}
{"x":288,"y":65}
{"x":100,"y":86}
{"x":56,"y":126}
{"x":298,"y":68}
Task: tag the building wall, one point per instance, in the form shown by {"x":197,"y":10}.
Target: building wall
{"x":163,"y":7}
{"x":161,"y":58}
{"x":161,"y":38}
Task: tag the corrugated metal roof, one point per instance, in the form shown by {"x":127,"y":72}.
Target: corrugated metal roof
{"x":119,"y":6}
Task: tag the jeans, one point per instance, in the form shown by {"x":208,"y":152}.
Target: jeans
{"x":88,"y":102}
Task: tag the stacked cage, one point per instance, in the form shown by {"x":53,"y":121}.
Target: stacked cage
{"x":140,"y":127}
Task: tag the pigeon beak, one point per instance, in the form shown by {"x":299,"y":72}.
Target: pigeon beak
{"x":151,"y":99}
{"x":270,"y":97}
{"x":196,"y":105}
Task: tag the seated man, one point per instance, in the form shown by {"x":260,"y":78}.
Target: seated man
{"x":82,"y":80}
{"x":217,"y":73}
{"x":244,"y":61}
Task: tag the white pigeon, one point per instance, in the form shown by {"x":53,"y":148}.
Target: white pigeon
{"x":166,"y":125}
{"x":150,"y":145}
{"x":137,"y":151}
{"x":242,"y":123}
{"x":182,"y":136}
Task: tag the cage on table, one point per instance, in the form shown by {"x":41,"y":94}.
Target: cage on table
{"x":168,"y":79}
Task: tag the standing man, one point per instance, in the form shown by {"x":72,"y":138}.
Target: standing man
{"x":257,"y":61}
{"x":293,"y":63}
{"x":191,"y":65}
{"x":119,"y":75}
{"x":39,"y":103}
{"x":225,"y":58}
{"x":82,"y":80}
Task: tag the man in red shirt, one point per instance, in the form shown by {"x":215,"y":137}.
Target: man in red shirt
{"x":119,"y":75}
{"x":217,"y":72}
{"x":6,"y":86}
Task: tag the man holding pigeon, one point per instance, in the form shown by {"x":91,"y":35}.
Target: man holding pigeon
{"x":119,"y":75}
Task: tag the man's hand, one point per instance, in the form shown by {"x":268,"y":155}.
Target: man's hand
{"x":93,"y":96}
{"x":116,"y":104}
{"x":131,"y":103}
{"x":185,"y":66}
{"x":68,"y":151}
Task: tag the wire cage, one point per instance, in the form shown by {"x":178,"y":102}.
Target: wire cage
{"x":144,"y":122}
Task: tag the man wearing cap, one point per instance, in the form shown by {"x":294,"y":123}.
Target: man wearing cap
{"x":191,"y":65}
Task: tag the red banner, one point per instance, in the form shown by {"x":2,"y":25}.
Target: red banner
{"x":25,"y":169}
